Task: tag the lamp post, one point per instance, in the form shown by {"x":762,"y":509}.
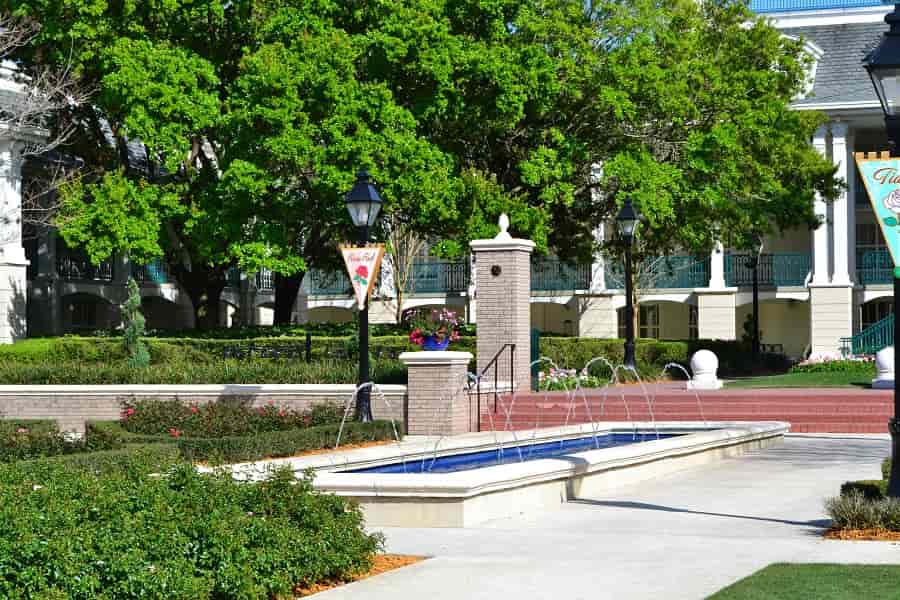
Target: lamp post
{"x":753,"y":264}
{"x":627,"y":221}
{"x":364,"y":204}
{"x":883,"y":65}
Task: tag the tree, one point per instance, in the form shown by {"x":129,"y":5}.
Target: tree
{"x":405,"y":246}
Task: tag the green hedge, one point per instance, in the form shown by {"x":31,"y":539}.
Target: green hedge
{"x":24,"y":440}
{"x":161,"y":455}
{"x":886,"y":469}
{"x":837,"y":366}
{"x":123,"y":533}
{"x":871,"y":489}
{"x":282,"y":443}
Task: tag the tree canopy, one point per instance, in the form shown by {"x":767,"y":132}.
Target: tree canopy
{"x":225,"y":133}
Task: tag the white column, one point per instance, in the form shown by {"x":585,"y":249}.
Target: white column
{"x":820,"y":235}
{"x":13,"y":290}
{"x":717,"y":267}
{"x":840,"y":230}
{"x":851,"y":206}
{"x":598,"y":268}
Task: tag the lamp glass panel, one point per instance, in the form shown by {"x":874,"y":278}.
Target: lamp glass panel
{"x":887,"y":86}
{"x":359,"y":212}
{"x":627,"y":227}
{"x":374,"y":209}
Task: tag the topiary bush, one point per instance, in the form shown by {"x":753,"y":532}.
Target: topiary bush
{"x":126,"y":533}
{"x":855,"y":511}
{"x":870,"y":489}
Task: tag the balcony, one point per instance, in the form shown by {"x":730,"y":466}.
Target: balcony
{"x":154,"y":272}
{"x":770,"y":6}
{"x":265,"y":280}
{"x":437,"y":277}
{"x":328,"y":283}
{"x":782,"y":269}
{"x":874,"y":267}
{"x":74,"y":266}
{"x":669,"y":272}
{"x":552,"y":275}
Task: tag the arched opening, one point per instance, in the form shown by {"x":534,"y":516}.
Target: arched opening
{"x":552,"y":317}
{"x":159,"y":313}
{"x":86,"y":312}
{"x":875,"y":310}
{"x":783,"y":326}
{"x":330,"y":314}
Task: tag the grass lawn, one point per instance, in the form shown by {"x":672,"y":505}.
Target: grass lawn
{"x":822,"y":582}
{"x":805,"y":380}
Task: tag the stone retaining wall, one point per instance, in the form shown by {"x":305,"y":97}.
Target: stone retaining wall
{"x":73,"y":405}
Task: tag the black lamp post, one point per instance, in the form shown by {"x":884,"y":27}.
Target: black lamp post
{"x":883,"y":65}
{"x":627,"y":221}
{"x":753,"y":264}
{"x":364,"y":204}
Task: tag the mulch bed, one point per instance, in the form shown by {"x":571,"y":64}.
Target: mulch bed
{"x":877,"y":535}
{"x":380,"y":564}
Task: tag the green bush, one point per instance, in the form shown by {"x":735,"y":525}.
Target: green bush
{"x":836,"y":366}
{"x":855,"y":511}
{"x":282,"y":443}
{"x":23,"y":440}
{"x":886,"y":469}
{"x":870,"y":489}
{"x":123,"y":533}
{"x":162,"y":456}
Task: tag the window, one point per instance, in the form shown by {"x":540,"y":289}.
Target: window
{"x":649,"y":321}
{"x":84,"y":314}
{"x":693,"y":316}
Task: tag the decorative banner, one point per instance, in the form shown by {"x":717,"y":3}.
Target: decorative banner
{"x":881,"y":175}
{"x":363,"y":265}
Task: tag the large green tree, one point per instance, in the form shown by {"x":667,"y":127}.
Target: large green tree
{"x":256,"y":114}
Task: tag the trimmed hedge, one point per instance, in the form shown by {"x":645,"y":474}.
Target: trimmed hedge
{"x":161,"y":455}
{"x":837,"y":366}
{"x":124,"y":533}
{"x":19,"y":441}
{"x":282,"y":443}
{"x":870,"y":489}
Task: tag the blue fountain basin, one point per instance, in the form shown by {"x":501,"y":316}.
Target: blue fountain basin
{"x":513,"y":454}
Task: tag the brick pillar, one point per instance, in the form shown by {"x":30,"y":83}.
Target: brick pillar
{"x":437,"y":401}
{"x":503,"y":276}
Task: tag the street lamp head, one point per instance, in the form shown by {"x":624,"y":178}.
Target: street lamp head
{"x":363,"y":201}
{"x":757,"y":240}
{"x":883,"y":66}
{"x":627,"y":220}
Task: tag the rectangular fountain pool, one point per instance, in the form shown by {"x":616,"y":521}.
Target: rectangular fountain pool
{"x":513,"y":454}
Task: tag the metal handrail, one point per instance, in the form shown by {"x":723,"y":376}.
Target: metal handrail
{"x":493,"y":363}
{"x":871,"y":339}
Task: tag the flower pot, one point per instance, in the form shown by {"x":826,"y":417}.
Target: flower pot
{"x":432,"y":343}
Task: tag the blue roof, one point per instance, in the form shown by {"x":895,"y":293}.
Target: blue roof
{"x":769,"y":6}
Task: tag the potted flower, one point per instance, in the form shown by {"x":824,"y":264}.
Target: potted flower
{"x":432,"y":329}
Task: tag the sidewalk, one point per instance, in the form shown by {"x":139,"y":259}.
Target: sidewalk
{"x":683,"y":536}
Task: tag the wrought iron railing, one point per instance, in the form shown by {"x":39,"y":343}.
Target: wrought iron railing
{"x":328,"y":283}
{"x":434,"y":276}
{"x":783,"y":269}
{"x":78,"y":268}
{"x":662,"y":273}
{"x":871,"y":339}
{"x":154,"y":272}
{"x":768,"y":6}
{"x":552,"y":275}
{"x":265,"y":280}
{"x":874,"y":266}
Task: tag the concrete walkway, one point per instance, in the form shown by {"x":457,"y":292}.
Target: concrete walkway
{"x":682,"y":536}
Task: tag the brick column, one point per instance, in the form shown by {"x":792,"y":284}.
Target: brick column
{"x":503,"y":276}
{"x":437,"y":400}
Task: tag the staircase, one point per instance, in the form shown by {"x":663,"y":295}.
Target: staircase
{"x":871,"y":339}
{"x":807,"y":410}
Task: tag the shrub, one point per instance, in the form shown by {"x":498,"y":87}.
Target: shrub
{"x":23,"y":440}
{"x":870,"y":489}
{"x":138,"y":356}
{"x":855,"y":511}
{"x":282,"y":443}
{"x":214,"y":419}
{"x":836,"y":366}
{"x":886,"y":469}
{"x":117,"y":534}
{"x":160,"y":456}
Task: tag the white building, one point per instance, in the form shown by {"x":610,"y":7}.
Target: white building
{"x":815,"y":287}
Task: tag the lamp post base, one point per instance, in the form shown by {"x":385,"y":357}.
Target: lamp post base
{"x":894,"y":482}
{"x":364,"y":405}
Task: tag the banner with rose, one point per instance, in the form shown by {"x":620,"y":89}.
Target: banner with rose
{"x":881,"y":176}
{"x":363,"y":266}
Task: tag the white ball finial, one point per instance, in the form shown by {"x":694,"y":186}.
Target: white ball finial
{"x":705,"y":365}
{"x":503,"y":223}
{"x":884,"y":366}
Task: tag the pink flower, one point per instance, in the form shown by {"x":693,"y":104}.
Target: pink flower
{"x":174,"y":432}
{"x":21,"y":430}
{"x":194,"y":410}
{"x":362,"y":271}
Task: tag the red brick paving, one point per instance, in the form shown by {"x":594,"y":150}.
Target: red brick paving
{"x":816,"y":410}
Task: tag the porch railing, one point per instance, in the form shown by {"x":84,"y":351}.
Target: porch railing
{"x":78,"y":268}
{"x":780,"y":269}
{"x":265,"y":280}
{"x":436,"y":276}
{"x":669,"y":272}
{"x":553,"y":275}
{"x":154,"y":272}
{"x":874,"y":266}
{"x":871,"y":339}
{"x":328,"y":283}
{"x":769,"y":6}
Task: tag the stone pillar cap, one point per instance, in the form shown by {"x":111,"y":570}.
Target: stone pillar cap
{"x":435,"y":357}
{"x":502,"y":241}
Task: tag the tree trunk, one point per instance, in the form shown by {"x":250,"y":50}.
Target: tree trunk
{"x":286,"y":289}
{"x":204,"y":288}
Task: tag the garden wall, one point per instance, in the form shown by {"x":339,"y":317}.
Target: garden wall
{"x":73,"y":405}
